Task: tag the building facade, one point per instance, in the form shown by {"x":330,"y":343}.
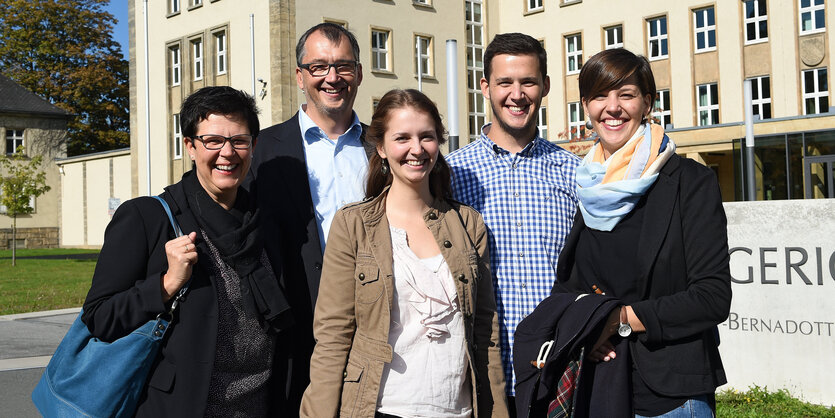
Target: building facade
{"x":700,"y":52}
{"x":251,"y":46}
{"x":32,"y":122}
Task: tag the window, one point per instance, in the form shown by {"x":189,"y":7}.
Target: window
{"x":657,"y":29}
{"x":380,"y":50}
{"x":573,"y":53}
{"x":173,"y":6}
{"x":197,"y":58}
{"x":427,"y":3}
{"x":756,"y":21}
{"x":4,"y":210}
{"x":476,"y":114}
{"x":542,"y":122}
{"x":576,"y":121}
{"x":14,"y":139}
{"x":614,"y":37}
{"x":195,"y":3}
{"x":708,"y":96}
{"x":178,"y":137}
{"x":815,"y":92}
{"x":812,"y":16}
{"x":761,"y":96}
{"x":534,"y":5}
{"x":220,"y":52}
{"x":424,"y":55}
{"x":705,"y":26}
{"x":661,"y":110}
{"x":174,"y":57}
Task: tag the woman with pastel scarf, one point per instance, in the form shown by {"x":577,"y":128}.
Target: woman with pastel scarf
{"x":651,"y":231}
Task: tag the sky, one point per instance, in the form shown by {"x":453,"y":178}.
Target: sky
{"x":119,"y":9}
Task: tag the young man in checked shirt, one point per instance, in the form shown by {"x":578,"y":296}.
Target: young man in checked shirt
{"x":522,"y":184}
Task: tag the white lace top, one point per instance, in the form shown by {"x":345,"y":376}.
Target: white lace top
{"x":428,"y":375}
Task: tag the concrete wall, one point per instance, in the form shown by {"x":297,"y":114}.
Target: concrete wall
{"x":92,"y":187}
{"x":781,"y":331}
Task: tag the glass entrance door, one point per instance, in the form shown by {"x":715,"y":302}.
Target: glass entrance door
{"x":819,"y":176}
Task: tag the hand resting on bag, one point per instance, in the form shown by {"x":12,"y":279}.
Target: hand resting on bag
{"x":182,"y":255}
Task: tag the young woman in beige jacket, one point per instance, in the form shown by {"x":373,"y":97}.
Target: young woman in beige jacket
{"x":405,"y":322}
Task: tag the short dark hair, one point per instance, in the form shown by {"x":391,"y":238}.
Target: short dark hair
{"x":515,"y":44}
{"x":223,"y":100}
{"x":334,"y":33}
{"x":439,"y":177}
{"x":612,"y":68}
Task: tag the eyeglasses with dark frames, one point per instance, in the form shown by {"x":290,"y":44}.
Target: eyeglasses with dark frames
{"x":343,"y":68}
{"x":215,"y":142}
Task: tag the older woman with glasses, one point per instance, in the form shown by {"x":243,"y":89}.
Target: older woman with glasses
{"x":218,"y":358}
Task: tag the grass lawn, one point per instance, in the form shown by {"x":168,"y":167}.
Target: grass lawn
{"x":44,"y":284}
{"x":759,"y":402}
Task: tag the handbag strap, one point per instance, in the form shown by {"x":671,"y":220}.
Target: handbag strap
{"x":178,"y":232}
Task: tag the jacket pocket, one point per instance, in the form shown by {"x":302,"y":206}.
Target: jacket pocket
{"x":352,"y":383}
{"x":162,"y":377}
{"x":367,"y":283}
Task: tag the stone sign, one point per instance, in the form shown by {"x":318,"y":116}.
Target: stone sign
{"x":781,"y":329}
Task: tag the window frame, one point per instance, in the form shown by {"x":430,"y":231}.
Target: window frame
{"x":705,"y":30}
{"x":16,"y":140}
{"x":4,"y":210}
{"x":755,"y":20}
{"x":542,"y":121}
{"x":663,"y":112}
{"x":532,"y":7}
{"x":663,"y":39}
{"x":429,"y":69}
{"x":177,"y":136}
{"x":815,"y":95}
{"x":811,"y":9}
{"x":174,"y":7}
{"x":385,"y":51}
{"x":711,"y":107}
{"x":618,"y":31}
{"x":175,"y":59}
{"x":759,"y":102}
{"x":197,"y":57}
{"x":476,"y":103}
{"x":580,"y":123}
{"x":576,"y":55}
{"x":221,"y":49}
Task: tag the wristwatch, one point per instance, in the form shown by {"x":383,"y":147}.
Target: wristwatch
{"x":624,"y":329}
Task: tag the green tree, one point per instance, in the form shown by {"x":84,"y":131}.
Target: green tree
{"x":21,"y":178}
{"x":63,"y":50}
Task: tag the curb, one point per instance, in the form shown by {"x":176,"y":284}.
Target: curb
{"x":42,"y":314}
{"x":24,"y":363}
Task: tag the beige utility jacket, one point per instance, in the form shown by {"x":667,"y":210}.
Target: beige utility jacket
{"x":352,"y":317}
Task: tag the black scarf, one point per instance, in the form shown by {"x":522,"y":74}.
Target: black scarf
{"x":236,"y":236}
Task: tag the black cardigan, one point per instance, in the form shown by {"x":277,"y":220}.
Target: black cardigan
{"x":126,"y":292}
{"x":685,"y":279}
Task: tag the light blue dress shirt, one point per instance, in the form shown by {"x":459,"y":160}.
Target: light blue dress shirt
{"x":527,"y":200}
{"x":336,"y":170}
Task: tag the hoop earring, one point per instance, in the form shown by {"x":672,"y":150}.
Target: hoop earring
{"x":384,"y":167}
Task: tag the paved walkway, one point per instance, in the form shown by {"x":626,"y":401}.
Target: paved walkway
{"x":27,"y":342}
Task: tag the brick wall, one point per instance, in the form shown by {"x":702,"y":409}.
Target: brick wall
{"x":32,"y":237}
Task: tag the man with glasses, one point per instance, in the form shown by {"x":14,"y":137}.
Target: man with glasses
{"x":304,"y":169}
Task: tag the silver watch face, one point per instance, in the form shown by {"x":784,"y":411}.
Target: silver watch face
{"x":624,"y":330}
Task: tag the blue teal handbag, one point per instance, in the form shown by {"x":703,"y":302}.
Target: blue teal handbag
{"x":87,"y":377}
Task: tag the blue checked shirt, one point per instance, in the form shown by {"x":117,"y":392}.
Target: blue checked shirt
{"x":528,"y":202}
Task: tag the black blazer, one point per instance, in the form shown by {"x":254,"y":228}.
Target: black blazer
{"x":685,"y":280}
{"x":126,"y":292}
{"x":278,"y":183}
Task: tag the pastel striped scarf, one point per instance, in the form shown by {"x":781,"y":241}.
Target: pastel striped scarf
{"x":608,"y":189}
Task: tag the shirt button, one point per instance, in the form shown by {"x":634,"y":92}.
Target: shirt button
{"x":518,"y":223}
{"x":447,"y":244}
{"x":514,"y":165}
{"x":521,"y":254}
{"x":462,"y":278}
{"x":361,"y":276}
{"x":433,"y":215}
{"x":516,"y":194}
{"x":344,"y":374}
{"x":524,"y":285}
